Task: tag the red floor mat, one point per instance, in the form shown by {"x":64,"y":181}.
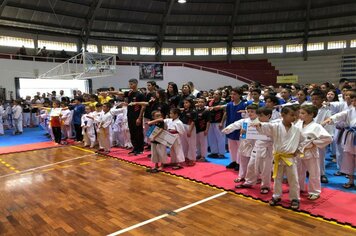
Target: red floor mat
{"x":27,"y":147}
{"x":332,"y":205}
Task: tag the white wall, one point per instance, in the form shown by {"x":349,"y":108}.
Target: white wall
{"x":9,"y":69}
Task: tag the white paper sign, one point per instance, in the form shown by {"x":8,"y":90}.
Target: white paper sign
{"x":252,"y":133}
{"x":164,"y":137}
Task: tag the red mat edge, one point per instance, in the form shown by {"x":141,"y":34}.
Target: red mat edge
{"x":27,"y":148}
{"x":320,"y":217}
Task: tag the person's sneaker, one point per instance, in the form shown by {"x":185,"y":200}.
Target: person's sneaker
{"x":324,"y":179}
{"x":221,"y":156}
{"x":138,"y":153}
{"x":213,"y":155}
{"x":231,"y":165}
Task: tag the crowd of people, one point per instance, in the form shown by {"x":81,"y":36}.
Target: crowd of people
{"x":296,"y":125}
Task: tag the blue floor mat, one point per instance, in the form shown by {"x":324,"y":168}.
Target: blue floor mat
{"x":29,"y":135}
{"x":335,"y":182}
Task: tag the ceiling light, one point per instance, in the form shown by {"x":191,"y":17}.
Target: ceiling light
{"x":182,"y":1}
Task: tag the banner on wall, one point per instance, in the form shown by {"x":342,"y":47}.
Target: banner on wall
{"x":287,"y":79}
{"x":151,"y":71}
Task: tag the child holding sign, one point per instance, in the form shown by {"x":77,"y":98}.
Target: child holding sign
{"x":246,"y":145}
{"x":159,"y":153}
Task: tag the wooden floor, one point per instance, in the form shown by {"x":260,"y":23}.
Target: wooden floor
{"x":86,"y":194}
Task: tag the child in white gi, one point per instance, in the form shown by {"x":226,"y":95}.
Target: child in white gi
{"x":2,"y":113}
{"x":175,"y":126}
{"x":66,"y":122}
{"x":17,"y":117}
{"x":318,"y":97}
{"x":286,"y":138}
{"x":261,"y":160}
{"x":246,"y":145}
{"x":104,"y":127}
{"x":348,"y":163}
{"x":158,"y":150}
{"x":315,"y":136}
{"x":88,"y":128}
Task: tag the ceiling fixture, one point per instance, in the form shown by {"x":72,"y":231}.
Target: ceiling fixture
{"x":182,"y":1}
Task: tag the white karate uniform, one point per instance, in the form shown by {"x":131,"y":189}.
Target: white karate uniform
{"x":177,"y":155}
{"x":337,"y":144}
{"x":104,"y":130}
{"x":8,"y":116}
{"x":202,"y":144}
{"x":2,"y":112}
{"x":348,"y":163}
{"x":285,"y":142}
{"x":315,"y":137}
{"x":116,"y":128}
{"x":66,"y":124}
{"x":189,"y":144}
{"x":275,"y":115}
{"x":245,"y":146}
{"x":17,"y":118}
{"x":323,"y":114}
{"x":97,"y":119}
{"x":88,"y":130}
{"x":260,"y":164}
{"x":216,"y":139}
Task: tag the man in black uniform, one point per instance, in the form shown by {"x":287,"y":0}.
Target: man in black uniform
{"x":134,"y":116}
{"x":150,"y":94}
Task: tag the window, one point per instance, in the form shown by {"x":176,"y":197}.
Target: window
{"x":218,"y":51}
{"x":147,"y":51}
{"x":129,"y":50}
{"x":167,"y":51}
{"x":201,"y":51}
{"x":238,"y":51}
{"x":353,"y":43}
{"x":16,"y":42}
{"x":183,"y":52}
{"x":337,"y":44}
{"x":57,"y":46}
{"x":92,"y":48}
{"x":315,"y":46}
{"x":255,"y":50}
{"x":110,"y":49}
{"x":275,"y":49}
{"x":294,"y":48}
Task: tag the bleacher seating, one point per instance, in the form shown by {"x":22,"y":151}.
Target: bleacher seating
{"x":257,"y":70}
{"x":317,"y":69}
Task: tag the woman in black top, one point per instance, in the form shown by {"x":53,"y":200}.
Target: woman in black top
{"x":188,"y":117}
{"x":186,"y":93}
{"x":173,"y":97}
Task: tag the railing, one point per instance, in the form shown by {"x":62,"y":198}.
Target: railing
{"x":130,"y":63}
{"x":190,"y":65}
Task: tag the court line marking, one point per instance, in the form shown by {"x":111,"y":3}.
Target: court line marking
{"x":166,"y":215}
{"x":44,"y":166}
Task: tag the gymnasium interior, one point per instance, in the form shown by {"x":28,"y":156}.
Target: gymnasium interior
{"x":93,"y":47}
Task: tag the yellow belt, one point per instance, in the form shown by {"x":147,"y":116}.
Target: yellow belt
{"x":281,"y":156}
